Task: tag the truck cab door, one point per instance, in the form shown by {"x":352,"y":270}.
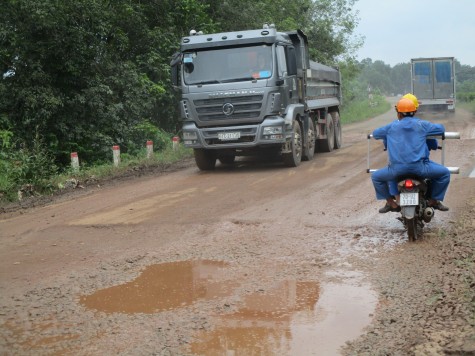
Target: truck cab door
{"x":287,"y":72}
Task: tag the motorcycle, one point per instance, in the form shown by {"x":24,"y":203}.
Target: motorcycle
{"x":415,"y":193}
{"x":415,"y":210}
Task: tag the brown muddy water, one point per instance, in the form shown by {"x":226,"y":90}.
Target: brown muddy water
{"x":293,"y":317}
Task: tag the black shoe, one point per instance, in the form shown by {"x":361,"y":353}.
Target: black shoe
{"x":440,"y":206}
{"x":387,"y":208}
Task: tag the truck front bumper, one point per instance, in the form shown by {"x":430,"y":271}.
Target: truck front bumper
{"x":272,"y":130}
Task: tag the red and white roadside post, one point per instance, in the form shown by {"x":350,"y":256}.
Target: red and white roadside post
{"x":116,"y":155}
{"x":149,"y":149}
{"x":175,"y":141}
{"x":74,"y":161}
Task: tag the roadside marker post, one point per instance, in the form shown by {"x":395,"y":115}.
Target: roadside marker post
{"x":74,"y":161}
{"x":149,"y":149}
{"x":175,"y":140}
{"x":116,"y":155}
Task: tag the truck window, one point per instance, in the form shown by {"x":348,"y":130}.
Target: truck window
{"x":227,"y":64}
{"x":443,"y":72}
{"x":282,"y":62}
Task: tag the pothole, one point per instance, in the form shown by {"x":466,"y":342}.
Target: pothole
{"x":162,"y":287}
{"x":290,"y":317}
{"x":295,"y":318}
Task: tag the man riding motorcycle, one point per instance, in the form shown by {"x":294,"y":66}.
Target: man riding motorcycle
{"x":408,"y":154}
{"x":432,"y":144}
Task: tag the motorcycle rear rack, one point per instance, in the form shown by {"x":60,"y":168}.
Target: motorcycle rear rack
{"x":447,"y":135}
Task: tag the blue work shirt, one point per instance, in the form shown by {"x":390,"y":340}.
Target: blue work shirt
{"x":406,"y":139}
{"x":432,"y":144}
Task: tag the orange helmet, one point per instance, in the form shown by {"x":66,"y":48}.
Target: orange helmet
{"x":405,"y":105}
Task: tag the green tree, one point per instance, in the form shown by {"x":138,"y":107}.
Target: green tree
{"x":329,"y":24}
{"x":401,"y":78}
{"x":83,"y":74}
{"x":331,"y":30}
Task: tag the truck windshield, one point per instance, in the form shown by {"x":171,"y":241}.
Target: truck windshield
{"x":220,"y":65}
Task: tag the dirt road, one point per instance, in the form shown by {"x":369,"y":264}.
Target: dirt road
{"x":254,"y":259}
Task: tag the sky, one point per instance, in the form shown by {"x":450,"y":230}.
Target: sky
{"x":397,"y":30}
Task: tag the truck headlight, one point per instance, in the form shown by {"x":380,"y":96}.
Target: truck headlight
{"x":272,"y":133}
{"x":272,"y":130}
{"x":190,"y":135}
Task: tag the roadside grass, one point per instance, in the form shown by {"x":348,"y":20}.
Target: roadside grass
{"x":140,"y":162}
{"x":127,"y":163}
{"x":469,"y":106}
{"x":360,"y":110}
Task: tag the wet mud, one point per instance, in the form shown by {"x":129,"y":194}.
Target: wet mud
{"x":249,"y":259}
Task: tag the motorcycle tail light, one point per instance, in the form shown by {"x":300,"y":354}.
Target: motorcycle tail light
{"x":409,"y":184}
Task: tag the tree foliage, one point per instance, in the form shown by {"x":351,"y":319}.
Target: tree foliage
{"x":82,"y":74}
{"x":329,"y":24}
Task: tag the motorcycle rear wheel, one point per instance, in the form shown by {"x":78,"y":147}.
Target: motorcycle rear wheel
{"x":411,"y":227}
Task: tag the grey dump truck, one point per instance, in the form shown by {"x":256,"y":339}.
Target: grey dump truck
{"x":255,"y":92}
{"x":433,"y":83}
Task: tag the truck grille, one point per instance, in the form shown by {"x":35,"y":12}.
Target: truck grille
{"x":245,"y":107}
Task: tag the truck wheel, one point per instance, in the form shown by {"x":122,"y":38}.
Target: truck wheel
{"x":205,"y":159}
{"x":227,"y":159}
{"x":327,"y":144}
{"x":293,"y":158}
{"x":309,"y":148}
{"x":337,"y":125}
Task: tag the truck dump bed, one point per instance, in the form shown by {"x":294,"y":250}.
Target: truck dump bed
{"x":323,"y":86}
{"x":325,"y":73}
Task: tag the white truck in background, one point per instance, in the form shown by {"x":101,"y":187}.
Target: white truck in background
{"x":433,"y":83}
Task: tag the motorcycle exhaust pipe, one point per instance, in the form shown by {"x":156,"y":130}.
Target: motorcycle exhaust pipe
{"x":428,"y":214}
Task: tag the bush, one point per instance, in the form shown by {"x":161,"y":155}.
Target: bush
{"x":466,"y":97}
{"x":21,"y":166}
{"x":147,"y":131}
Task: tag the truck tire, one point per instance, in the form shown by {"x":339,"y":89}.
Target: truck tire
{"x":327,"y":144}
{"x":205,"y":159}
{"x":309,"y":146}
{"x":227,"y":159}
{"x":338,"y":132}
{"x":294,"y":157}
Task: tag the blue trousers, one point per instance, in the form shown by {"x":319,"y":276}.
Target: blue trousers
{"x":386,"y":177}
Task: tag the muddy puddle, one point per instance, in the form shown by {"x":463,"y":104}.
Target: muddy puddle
{"x":292,"y":317}
{"x":162,"y":287}
{"x":296,"y":318}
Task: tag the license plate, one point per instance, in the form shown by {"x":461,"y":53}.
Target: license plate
{"x":409,"y":199}
{"x":227,"y":136}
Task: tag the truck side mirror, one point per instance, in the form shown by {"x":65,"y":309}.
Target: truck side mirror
{"x":174,"y":73}
{"x":291,"y":61}
{"x":279,"y":82}
{"x":175,"y":66}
